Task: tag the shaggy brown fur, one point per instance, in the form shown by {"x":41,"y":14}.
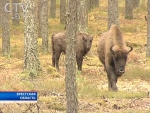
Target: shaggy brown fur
{"x":83,"y":45}
{"x":112,"y":52}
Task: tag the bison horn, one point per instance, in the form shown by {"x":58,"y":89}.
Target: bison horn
{"x":111,"y":49}
{"x":131,"y":48}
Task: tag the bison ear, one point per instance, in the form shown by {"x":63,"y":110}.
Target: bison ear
{"x":111,"y":49}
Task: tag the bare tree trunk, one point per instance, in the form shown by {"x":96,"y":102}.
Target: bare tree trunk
{"x":31,"y":61}
{"x":15,"y":12}
{"x":71,"y":90}
{"x":62,"y":11}
{"x":128,"y":9}
{"x":135,"y":3}
{"x":5,"y":30}
{"x":1,"y":3}
{"x":39,"y":18}
{"x":113,"y":14}
{"x":129,"y":6}
{"x":92,"y":4}
{"x":53,"y":9}
{"x":44,"y":24}
{"x":82,"y":16}
{"x":96,"y":3}
{"x":148,"y":29}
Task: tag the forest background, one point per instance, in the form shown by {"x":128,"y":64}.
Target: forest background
{"x":93,"y":94}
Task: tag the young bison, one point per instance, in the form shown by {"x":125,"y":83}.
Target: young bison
{"x":112,"y":52}
{"x":83,"y":45}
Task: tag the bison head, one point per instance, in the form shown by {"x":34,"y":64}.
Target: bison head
{"x":87,"y":40}
{"x":119,"y":58}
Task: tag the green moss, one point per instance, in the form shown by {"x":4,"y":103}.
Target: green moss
{"x":52,"y":71}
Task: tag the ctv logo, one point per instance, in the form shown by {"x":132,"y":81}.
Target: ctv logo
{"x":16,"y":15}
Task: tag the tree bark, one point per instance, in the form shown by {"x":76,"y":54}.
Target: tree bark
{"x":128,"y":9}
{"x":148,"y":29}
{"x":71,"y":90}
{"x":15,"y":12}
{"x":44,"y":24}
{"x":39,"y":18}
{"x":113,"y":14}
{"x":62,"y":11}
{"x":92,"y":4}
{"x":82,"y":16}
{"x":95,"y":3}
{"x":5,"y":30}
{"x":129,"y":6}
{"x":1,"y":3}
{"x":31,"y":61}
{"x":135,"y":3}
{"x":53,"y":9}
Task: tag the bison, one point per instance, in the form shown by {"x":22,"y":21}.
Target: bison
{"x":83,"y":45}
{"x":112,"y":52}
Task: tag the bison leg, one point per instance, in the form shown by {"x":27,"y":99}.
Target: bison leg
{"x":109,"y":83}
{"x":112,"y":78}
{"x":112,"y":83}
{"x":79,"y":63}
{"x":53,"y":59}
{"x":57,"y":55}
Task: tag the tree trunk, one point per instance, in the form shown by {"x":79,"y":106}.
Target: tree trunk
{"x":82,"y":16}
{"x":92,"y":4}
{"x":1,"y":4}
{"x":31,"y":61}
{"x":128,"y":9}
{"x":62,"y":11}
{"x":5,"y":30}
{"x":71,"y":90}
{"x":129,"y":6}
{"x":135,"y":3}
{"x":15,"y":12}
{"x":53,"y":9}
{"x":96,"y":3}
{"x":148,"y":29}
{"x":113,"y":15}
{"x":44,"y":24}
{"x":39,"y":18}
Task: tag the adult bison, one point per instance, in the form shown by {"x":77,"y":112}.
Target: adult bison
{"x":83,"y":45}
{"x":112,"y":52}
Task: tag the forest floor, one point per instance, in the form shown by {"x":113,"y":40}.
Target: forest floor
{"x":93,"y":95}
